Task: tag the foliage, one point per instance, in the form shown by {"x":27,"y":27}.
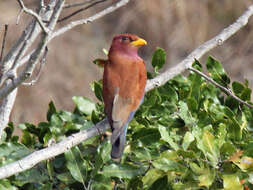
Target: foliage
{"x":186,"y":135}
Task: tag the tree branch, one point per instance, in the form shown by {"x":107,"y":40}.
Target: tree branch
{"x":228,"y":91}
{"x":35,"y":15}
{"x":80,"y":10}
{"x":56,"y":149}
{"x":201,"y":50}
{"x":66,"y":6}
{"x":4,"y":39}
{"x":64,"y":145}
{"x":77,"y":23}
{"x":42,"y":63}
{"x":5,"y":109}
{"x":104,"y":12}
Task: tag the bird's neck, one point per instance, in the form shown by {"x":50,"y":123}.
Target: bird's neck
{"x":126,"y":53}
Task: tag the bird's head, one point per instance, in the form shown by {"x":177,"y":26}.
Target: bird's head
{"x":126,"y":44}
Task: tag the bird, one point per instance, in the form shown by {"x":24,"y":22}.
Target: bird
{"x":124,"y":81}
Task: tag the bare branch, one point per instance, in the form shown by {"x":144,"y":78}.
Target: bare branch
{"x":59,"y":148}
{"x":80,"y":10}
{"x":42,"y":63}
{"x":76,"y":23}
{"x":201,"y":50}
{"x":100,"y":14}
{"x":33,"y":59}
{"x":19,"y":15}
{"x":228,"y":91}
{"x":35,"y":15}
{"x":54,"y":150}
{"x":66,"y":6}
{"x":4,"y":39}
{"x":5,"y":109}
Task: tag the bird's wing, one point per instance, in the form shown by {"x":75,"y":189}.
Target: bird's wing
{"x":120,"y":113}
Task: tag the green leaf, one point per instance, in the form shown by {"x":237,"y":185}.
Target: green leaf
{"x":207,"y":178}
{"x":51,"y":110}
{"x":188,"y":139}
{"x":12,"y":151}
{"x":166,"y":165}
{"x":146,"y":136}
{"x":161,"y":183}
{"x":209,"y":146}
{"x":125,"y":171}
{"x":158,"y":59}
{"x":27,"y":139}
{"x":104,"y":150}
{"x":231,"y":182}
{"x":84,"y":104}
{"x":151,"y":176}
{"x":101,"y":182}
{"x":66,"y":177}
{"x":241,"y":91}
{"x":167,"y":138}
{"x":217,"y":71}
{"x":97,"y":89}
{"x":6,"y":185}
{"x":33,"y":175}
{"x":76,"y":164}
{"x":185,"y":114}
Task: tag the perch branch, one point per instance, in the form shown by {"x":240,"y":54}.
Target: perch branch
{"x":56,"y":149}
{"x":35,"y":15}
{"x":228,"y":91}
{"x":4,"y":39}
{"x":64,"y":145}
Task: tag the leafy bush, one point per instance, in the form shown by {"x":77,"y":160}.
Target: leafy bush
{"x":186,"y":135}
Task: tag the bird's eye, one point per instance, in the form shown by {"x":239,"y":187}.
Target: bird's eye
{"x":124,"y":38}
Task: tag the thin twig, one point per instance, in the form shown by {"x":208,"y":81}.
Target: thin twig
{"x":4,"y":39}
{"x":80,"y":10}
{"x":66,"y":6}
{"x":35,"y":15}
{"x":42,"y":63}
{"x":19,"y":15}
{"x":226,"y":90}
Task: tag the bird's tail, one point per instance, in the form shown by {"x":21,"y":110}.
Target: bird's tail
{"x":118,"y":144}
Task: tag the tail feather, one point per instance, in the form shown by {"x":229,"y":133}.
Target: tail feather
{"x":118,"y":148}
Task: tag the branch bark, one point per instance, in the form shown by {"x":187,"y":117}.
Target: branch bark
{"x":228,"y":91}
{"x":59,"y":148}
{"x":201,"y":50}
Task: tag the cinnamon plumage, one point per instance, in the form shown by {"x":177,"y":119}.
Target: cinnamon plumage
{"x":124,"y":82}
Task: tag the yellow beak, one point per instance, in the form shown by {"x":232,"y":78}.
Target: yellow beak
{"x":139,"y":42}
